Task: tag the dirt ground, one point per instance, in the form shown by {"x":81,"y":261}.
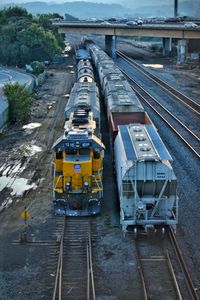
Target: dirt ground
{"x":28,"y":154}
{"x":26,"y":271}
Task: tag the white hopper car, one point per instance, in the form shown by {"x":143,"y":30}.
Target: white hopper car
{"x":146,"y":181}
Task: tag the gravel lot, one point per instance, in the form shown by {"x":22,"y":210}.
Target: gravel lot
{"x":26,"y":271}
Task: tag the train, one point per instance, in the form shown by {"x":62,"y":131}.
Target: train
{"x":146,"y":182}
{"x":147,"y":185}
{"x":78,"y":154}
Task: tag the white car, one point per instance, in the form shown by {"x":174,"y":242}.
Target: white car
{"x":139,"y":22}
{"x":190,"y":25}
{"x":131,"y":23}
{"x":105,"y":23}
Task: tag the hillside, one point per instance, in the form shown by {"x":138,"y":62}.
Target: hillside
{"x":80,"y":9}
{"x":83,"y":10}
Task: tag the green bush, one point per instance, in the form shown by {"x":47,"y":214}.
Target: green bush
{"x":37,"y":67}
{"x":19,"y":100}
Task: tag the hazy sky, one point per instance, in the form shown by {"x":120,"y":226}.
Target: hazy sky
{"x":98,"y":1}
{"x":61,"y":1}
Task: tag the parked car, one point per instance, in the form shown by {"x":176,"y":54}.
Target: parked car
{"x":131,"y":23}
{"x":113,"y":19}
{"x":173,"y":20}
{"x":139,"y":22}
{"x":105,"y":23}
{"x":190,"y":25}
{"x":124,"y":20}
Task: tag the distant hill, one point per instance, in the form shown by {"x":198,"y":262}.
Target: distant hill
{"x":130,"y":8}
{"x":80,"y":9}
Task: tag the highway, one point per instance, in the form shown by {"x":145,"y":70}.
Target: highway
{"x":176,"y":30}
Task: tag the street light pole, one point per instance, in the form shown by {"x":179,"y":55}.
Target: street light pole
{"x":175,"y":8}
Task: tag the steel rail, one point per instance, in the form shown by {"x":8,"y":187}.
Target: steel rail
{"x":191,"y":104}
{"x":58,"y":280}
{"x":91,"y":264}
{"x":164,"y":257}
{"x":88,"y":272}
{"x":188,"y":280}
{"x":171,"y":269}
{"x":166,"y":110}
{"x":90,"y":289}
{"x":141,"y":274}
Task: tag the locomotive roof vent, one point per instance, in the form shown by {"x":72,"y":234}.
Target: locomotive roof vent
{"x":83,"y":97}
{"x":80,"y":116}
{"x":73,"y":135}
{"x":114,"y":77}
{"x":119,"y":85}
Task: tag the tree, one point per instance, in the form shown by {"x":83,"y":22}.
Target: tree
{"x":37,"y":67}
{"x":42,"y":45}
{"x":19,"y":100}
{"x":24,"y":39}
{"x":45,"y":21}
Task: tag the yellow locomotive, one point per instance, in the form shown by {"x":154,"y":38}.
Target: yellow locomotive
{"x":78,"y":166}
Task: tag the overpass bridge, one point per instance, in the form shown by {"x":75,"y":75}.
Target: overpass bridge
{"x":112,"y":30}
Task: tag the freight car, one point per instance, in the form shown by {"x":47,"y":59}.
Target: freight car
{"x":146,"y":181}
{"x":79,"y":152}
{"x":145,"y":178}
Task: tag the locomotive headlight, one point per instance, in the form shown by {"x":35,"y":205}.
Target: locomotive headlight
{"x":68,"y":184}
{"x":86,"y":184}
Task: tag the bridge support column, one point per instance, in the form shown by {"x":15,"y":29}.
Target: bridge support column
{"x":110,"y":45}
{"x":167,"y":46}
{"x":181,"y":51}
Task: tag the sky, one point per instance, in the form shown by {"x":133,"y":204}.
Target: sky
{"x":59,"y":1}
{"x":98,"y":1}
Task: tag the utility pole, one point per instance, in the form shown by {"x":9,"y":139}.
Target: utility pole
{"x":175,"y":8}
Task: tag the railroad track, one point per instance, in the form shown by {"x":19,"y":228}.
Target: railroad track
{"x":190,"y":286}
{"x":158,"y":276}
{"x":188,"y":102}
{"x":74,"y":277}
{"x":181,"y":130}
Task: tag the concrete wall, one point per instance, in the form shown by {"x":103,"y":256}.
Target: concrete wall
{"x":194,"y":45}
{"x":3,"y":111}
